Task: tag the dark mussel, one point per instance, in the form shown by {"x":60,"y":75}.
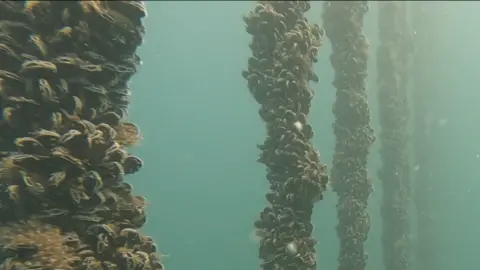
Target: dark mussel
{"x":124,"y":73}
{"x":93,"y":57}
{"x":109,"y":133}
{"x":143,"y":259}
{"x":57,"y":178}
{"x":47,"y":94}
{"x":12,"y":11}
{"x":95,"y":89}
{"x":126,"y":260}
{"x":64,"y":155}
{"x":148,"y":244}
{"x":119,"y":92}
{"x":132,"y":164}
{"x":12,"y":43}
{"x":131,"y":59}
{"x":29,"y":145}
{"x":134,"y":10}
{"x":37,"y":46}
{"x":71,"y":107}
{"x":90,"y":113}
{"x":38,"y":69}
{"x":9,"y":194}
{"x":76,"y":142}
{"x":13,"y":117}
{"x":92,"y":182}
{"x":112,"y":172}
{"x":100,"y":235}
{"x":110,"y":118}
{"x":46,"y":138}
{"x":68,"y":65}
{"x":84,"y":126}
{"x":155,"y":263}
{"x":61,"y":40}
{"x":9,"y":60}
{"x":116,"y":154}
{"x":11,"y":79}
{"x":98,"y":74}
{"x":131,"y":238}
{"x":21,"y":102}
{"x":19,"y":31}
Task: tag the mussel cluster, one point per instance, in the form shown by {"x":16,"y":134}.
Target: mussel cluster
{"x":284,"y":47}
{"x":343,"y":23}
{"x":393,"y":110}
{"x":65,"y":68}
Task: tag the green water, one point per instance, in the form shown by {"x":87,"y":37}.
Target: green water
{"x":201,"y":126}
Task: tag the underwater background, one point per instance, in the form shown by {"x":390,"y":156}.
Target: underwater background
{"x":201,"y":127}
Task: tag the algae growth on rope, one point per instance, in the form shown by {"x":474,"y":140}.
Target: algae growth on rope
{"x":343,"y":23}
{"x":64,"y":83}
{"x":284,"y":46}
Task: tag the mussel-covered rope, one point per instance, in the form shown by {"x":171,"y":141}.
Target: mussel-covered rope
{"x":392,"y":62}
{"x":343,"y":23}
{"x":65,"y":68}
{"x":284,"y":46}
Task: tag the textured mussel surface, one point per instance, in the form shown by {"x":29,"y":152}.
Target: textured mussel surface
{"x":65,"y":68}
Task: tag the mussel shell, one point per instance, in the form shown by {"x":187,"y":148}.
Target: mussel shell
{"x":155,"y":264}
{"x":12,"y":11}
{"x":32,"y":146}
{"x":85,"y":127}
{"x":38,"y":45}
{"x":10,"y":77}
{"x":47,"y":138}
{"x":134,"y":10}
{"x":24,"y":161}
{"x":72,"y":106}
{"x":148,"y":244}
{"x":51,"y":213}
{"x":64,"y":155}
{"x":77,"y":196}
{"x":89,"y":218}
{"x":98,"y":74}
{"x":19,"y":31}
{"x":111,"y":171}
{"x":47,"y":93}
{"x":21,"y":102}
{"x":120,"y":92}
{"x":126,"y":260}
{"x":9,"y":59}
{"x":117,"y":154}
{"x":132,"y":164}
{"x":93,"y":57}
{"x":75,"y":141}
{"x":57,"y":178}
{"x":95,"y":89}
{"x":131,"y":237}
{"x":67,"y":65}
{"x":109,"y":132}
{"x":101,"y":229}
{"x":92,"y":181}
{"x":90,"y":113}
{"x":110,"y":118}
{"x":38,"y":69}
